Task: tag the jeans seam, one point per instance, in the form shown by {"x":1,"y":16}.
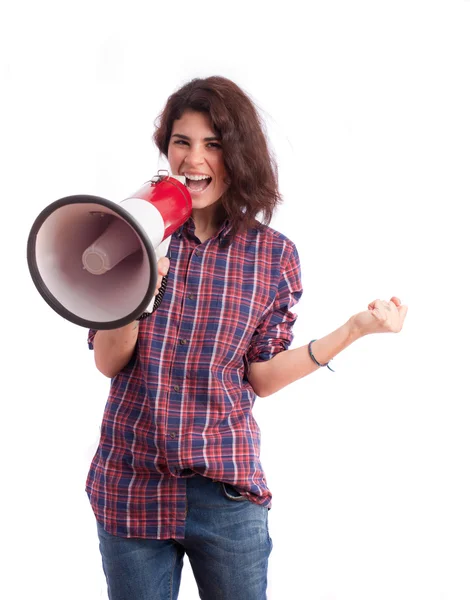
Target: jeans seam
{"x":170,"y":597}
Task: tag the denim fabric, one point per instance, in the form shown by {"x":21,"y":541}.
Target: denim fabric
{"x":226,"y":540}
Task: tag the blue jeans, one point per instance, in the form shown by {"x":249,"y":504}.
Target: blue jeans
{"x":226,"y":539}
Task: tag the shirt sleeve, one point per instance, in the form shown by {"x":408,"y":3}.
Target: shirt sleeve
{"x":274,"y":334}
{"x":91,"y":337}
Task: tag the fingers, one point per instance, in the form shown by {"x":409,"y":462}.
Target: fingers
{"x":163,"y":266}
{"x":377,"y":304}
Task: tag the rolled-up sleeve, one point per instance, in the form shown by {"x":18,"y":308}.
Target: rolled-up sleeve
{"x":91,"y":337}
{"x":274,"y":334}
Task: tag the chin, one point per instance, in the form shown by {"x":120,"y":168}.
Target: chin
{"x":204,"y":202}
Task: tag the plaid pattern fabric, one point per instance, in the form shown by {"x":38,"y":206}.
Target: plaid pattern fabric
{"x":183,"y":404}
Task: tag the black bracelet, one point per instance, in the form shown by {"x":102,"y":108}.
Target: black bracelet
{"x":315,"y":360}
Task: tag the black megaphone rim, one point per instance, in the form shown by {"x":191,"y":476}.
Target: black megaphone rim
{"x":50,"y":298}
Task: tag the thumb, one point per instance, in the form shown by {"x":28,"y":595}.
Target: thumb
{"x":402,"y":310}
{"x":163,"y":266}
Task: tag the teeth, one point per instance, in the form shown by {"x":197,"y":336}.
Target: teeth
{"x":197,"y":177}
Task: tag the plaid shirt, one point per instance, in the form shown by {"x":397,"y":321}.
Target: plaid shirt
{"x":183,"y":404}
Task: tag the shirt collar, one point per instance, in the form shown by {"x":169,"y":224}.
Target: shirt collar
{"x":223,"y":234}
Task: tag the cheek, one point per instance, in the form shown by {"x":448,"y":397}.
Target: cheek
{"x":219,"y":169}
{"x":174,"y":157}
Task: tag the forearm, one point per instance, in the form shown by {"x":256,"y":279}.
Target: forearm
{"x":286,"y":367}
{"x":114,"y":348}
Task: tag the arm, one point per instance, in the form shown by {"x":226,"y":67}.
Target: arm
{"x":284,"y":368}
{"x":270,"y":376}
{"x":114,"y":348}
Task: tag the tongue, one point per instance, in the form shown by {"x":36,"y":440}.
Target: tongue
{"x":198,"y":186}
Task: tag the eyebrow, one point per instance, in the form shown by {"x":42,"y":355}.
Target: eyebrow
{"x":206,"y":139}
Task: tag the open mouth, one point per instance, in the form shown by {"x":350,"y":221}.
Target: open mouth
{"x":198,"y":183}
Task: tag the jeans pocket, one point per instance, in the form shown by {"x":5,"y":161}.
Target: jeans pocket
{"x":231,"y":493}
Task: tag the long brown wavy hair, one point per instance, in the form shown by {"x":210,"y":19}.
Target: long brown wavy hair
{"x":251,"y":167}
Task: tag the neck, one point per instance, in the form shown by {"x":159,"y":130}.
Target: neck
{"x":206,"y":221}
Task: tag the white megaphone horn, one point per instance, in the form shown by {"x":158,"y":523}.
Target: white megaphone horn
{"x":94,"y":261}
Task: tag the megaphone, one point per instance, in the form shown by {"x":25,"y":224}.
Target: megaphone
{"x":94,"y":261}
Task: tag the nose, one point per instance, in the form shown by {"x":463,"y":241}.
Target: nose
{"x":195,"y":156}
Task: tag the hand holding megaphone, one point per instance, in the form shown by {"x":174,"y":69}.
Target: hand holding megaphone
{"x":94,"y":261}
{"x":163,"y":266}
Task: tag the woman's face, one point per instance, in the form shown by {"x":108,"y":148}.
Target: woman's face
{"x":195,"y":152}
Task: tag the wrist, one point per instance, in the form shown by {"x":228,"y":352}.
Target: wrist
{"x":354,"y":331}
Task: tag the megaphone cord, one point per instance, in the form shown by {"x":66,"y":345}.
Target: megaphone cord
{"x":158,"y":299}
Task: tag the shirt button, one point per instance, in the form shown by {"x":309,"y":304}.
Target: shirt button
{"x":197,"y":253}
{"x":191,"y":296}
{"x":176,"y":388}
{"x":172,"y":435}
{"x":183,"y":342}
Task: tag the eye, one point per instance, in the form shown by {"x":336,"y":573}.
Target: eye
{"x":214,"y":145}
{"x":180,"y":142}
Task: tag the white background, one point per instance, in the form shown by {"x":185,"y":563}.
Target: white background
{"x":367,"y":109}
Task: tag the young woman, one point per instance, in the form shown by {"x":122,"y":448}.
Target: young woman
{"x":177,"y":469}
